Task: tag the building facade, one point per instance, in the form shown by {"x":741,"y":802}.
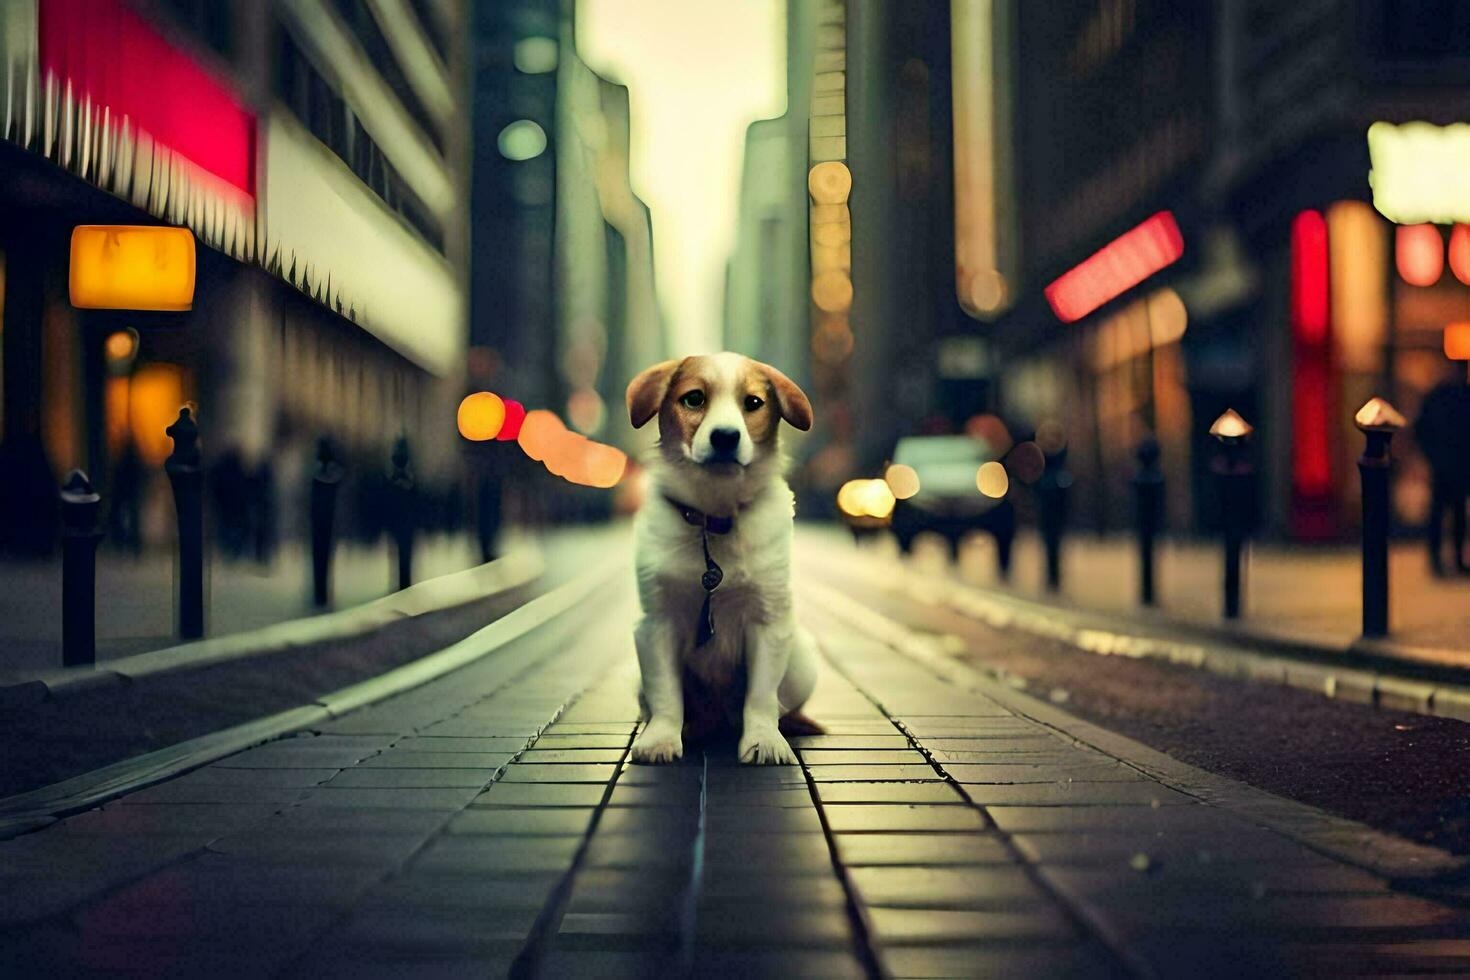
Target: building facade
{"x":316,"y":149}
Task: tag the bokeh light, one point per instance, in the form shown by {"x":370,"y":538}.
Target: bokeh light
{"x":480,"y":416}
{"x":1026,"y":462}
{"x":121,"y":345}
{"x":832,"y":292}
{"x":1419,"y":254}
{"x":539,"y":432}
{"x":521,"y":140}
{"x":585,"y":410}
{"x":990,"y":430}
{"x":1051,"y":436}
{"x":515,"y":415}
{"x":991,"y":480}
{"x":902,"y":480}
{"x":156,"y":393}
{"x":535,"y":55}
{"x":829,"y":182}
{"x":866,"y":498}
{"x":1460,"y":252}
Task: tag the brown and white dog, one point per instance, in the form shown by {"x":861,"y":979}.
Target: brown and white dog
{"x":718,"y":511}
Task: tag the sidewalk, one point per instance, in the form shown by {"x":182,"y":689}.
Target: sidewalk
{"x":488,"y":822}
{"x":1299,"y":594}
{"x":135,"y":596}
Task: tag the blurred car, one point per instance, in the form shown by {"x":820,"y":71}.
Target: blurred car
{"x":949,"y":501}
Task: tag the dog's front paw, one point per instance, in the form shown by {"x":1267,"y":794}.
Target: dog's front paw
{"x":763,"y":745}
{"x":660,"y":742}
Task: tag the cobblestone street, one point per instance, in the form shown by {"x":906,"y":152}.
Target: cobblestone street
{"x":489,"y":822}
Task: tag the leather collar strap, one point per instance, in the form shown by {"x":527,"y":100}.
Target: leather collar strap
{"x":713,"y":574}
{"x":698,"y":518}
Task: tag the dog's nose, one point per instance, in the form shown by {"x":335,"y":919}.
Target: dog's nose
{"x":724,"y":440}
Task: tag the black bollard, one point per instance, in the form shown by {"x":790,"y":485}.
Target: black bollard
{"x":1148,"y":489}
{"x":324,"y":482}
{"x":1378,"y":421}
{"x":187,"y":479}
{"x":80,"y":532}
{"x":1233,"y":468}
{"x":402,"y":494}
{"x":1051,"y":493}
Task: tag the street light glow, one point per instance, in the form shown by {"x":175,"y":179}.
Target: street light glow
{"x":132,"y":267}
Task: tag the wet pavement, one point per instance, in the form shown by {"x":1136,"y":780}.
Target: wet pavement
{"x":489,"y":822}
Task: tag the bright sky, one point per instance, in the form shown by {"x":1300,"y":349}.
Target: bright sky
{"x":698,"y":72}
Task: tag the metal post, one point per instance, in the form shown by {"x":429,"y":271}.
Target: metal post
{"x":1378,"y":421}
{"x":187,"y":478}
{"x":1148,"y":488}
{"x":1051,"y":493}
{"x":1233,"y":468}
{"x":324,"y":483}
{"x":402,"y":483}
{"x":80,"y":532}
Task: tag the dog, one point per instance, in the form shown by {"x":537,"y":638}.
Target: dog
{"x":718,"y":639}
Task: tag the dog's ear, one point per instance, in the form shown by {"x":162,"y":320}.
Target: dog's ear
{"x":795,"y":407}
{"x":646,"y":392}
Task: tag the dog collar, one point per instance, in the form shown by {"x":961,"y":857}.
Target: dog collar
{"x":713,"y":574}
{"x":698,"y":518}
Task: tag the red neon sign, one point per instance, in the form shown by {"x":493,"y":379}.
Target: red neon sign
{"x":110,"y":54}
{"x":1312,"y":388}
{"x":1117,"y":267}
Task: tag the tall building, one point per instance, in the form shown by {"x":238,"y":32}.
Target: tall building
{"x":315,"y":149}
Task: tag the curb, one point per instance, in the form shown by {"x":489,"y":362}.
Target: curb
{"x":40,"y":807}
{"x":1352,"y":675}
{"x":1341,"y":839}
{"x":516,"y":569}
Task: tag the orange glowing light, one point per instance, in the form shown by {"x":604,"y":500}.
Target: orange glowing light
{"x":605,"y":465}
{"x":1419,"y":253}
{"x":120,"y":345}
{"x":585,"y":410}
{"x":156,"y":393}
{"x":539,"y":432}
{"x":902,"y":480}
{"x":132,"y":267}
{"x":832,"y":292}
{"x":480,"y":416}
{"x":1377,"y":415}
{"x":1457,"y":341}
{"x":830,"y":182}
{"x":866,"y":498}
{"x":991,"y":479}
{"x":1116,"y":267}
{"x":1230,"y":427}
{"x":1460,"y":253}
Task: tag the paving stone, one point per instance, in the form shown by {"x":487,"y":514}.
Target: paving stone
{"x":507,"y":744}
{"x":863,"y":757}
{"x":553,"y":755}
{"x":344,"y":962}
{"x":220,"y":775}
{"x":675,"y":821}
{"x":1049,"y":959}
{"x":488,"y":892}
{"x":592,"y":728}
{"x":858,"y":850}
{"x":317,"y":849}
{"x":575,"y":964}
{"x":119,"y":820}
{"x":641,"y":928}
{"x":779,"y":797}
{"x":849,"y":818}
{"x":1040,"y":773}
{"x":1119,"y":849}
{"x":521,"y":822}
{"x":682,"y":795}
{"x":541,"y":794}
{"x":750,"y":925}
{"x":437,"y":931}
{"x":379,"y":778}
{"x":1369,"y":916}
{"x":897,"y":740}
{"x":221,"y":880}
{"x":997,"y":886}
{"x":405,"y":759}
{"x":831,"y":963}
{"x":551,"y":741}
{"x":773,"y":852}
{"x":1188,"y":880}
{"x":774,"y":888}
{"x":521,"y":772}
{"x":220,"y":924}
{"x":1194,"y":818}
{"x":346,"y":820}
{"x":439,"y":798}
{"x":620,"y":889}
{"x":1066,"y":794}
{"x":189,"y":792}
{"x":864,"y":774}
{"x":464,"y":854}
{"x":931,"y":792}
{"x":997,"y":748}
{"x":764,"y":820}
{"x":639,"y":851}
{"x":922,"y":926}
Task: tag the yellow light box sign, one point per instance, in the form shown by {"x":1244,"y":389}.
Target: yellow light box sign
{"x":1420,"y":172}
{"x":132,"y":267}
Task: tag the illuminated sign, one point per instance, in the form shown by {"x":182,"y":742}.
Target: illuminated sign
{"x":1420,"y":172}
{"x":1457,"y":341}
{"x":132,"y":267}
{"x":1116,"y":267}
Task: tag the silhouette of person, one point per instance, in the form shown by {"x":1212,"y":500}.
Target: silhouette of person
{"x":1443,"y":433}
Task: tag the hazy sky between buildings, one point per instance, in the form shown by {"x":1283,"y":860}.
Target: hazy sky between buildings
{"x":698,"y":73}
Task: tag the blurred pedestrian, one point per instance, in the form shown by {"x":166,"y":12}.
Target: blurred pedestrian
{"x":1443,"y":433}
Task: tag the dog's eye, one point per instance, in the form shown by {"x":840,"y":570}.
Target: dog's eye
{"x":752,"y":403}
{"x":692,"y":399}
